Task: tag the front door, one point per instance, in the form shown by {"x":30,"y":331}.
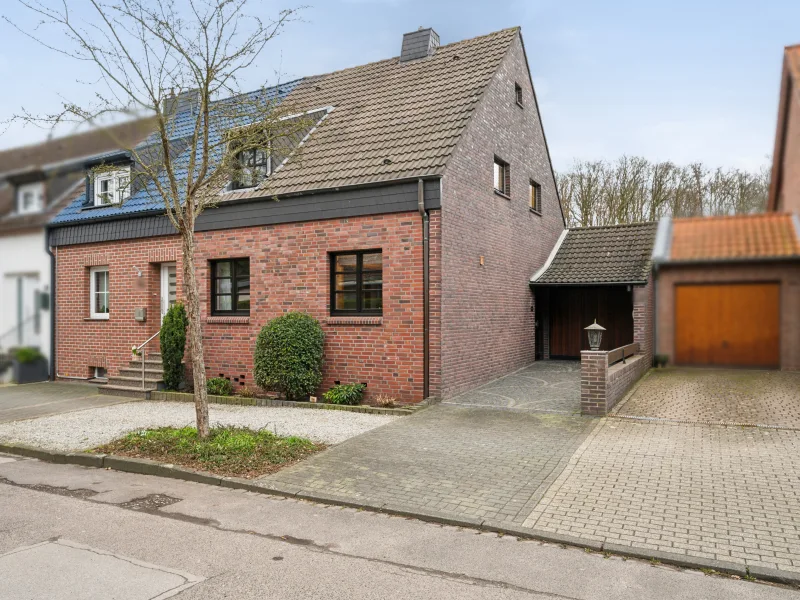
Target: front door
{"x":169,"y":287}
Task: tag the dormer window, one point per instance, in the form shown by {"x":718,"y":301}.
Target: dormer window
{"x":112,"y":187}
{"x":30,"y":198}
{"x":252,"y":167}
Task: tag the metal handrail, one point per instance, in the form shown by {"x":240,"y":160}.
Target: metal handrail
{"x":144,"y":354}
{"x":17,"y":327}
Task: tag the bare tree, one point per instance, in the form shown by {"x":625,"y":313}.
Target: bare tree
{"x":633,"y":189}
{"x":155,"y":58}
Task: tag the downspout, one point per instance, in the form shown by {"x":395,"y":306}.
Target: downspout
{"x":425,"y":289}
{"x":52,"y":304}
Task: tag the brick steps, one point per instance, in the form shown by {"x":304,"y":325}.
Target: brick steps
{"x":129,"y":381}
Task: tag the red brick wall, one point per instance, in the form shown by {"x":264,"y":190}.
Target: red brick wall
{"x":787,"y":274}
{"x":789,"y":200}
{"x":487,"y":321}
{"x":289,"y":267}
{"x":643,"y":318}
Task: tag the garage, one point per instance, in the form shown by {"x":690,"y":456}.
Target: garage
{"x":728,"y":291}
{"x":735,"y":324}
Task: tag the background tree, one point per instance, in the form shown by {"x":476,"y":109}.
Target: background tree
{"x":154,"y":58}
{"x":634,"y":189}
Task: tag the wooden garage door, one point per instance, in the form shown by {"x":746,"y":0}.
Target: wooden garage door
{"x":730,"y":324}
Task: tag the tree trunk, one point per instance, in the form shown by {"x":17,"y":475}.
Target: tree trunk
{"x":192,"y":297}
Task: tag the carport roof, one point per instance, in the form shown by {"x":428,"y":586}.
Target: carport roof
{"x":613,"y":254}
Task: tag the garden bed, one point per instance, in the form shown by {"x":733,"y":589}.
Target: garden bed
{"x":243,"y":401}
{"x":228,"y":451}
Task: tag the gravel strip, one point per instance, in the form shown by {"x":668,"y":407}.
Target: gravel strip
{"x":86,"y":429}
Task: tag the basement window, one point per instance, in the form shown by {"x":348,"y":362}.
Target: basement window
{"x":502,"y":177}
{"x":100,"y":373}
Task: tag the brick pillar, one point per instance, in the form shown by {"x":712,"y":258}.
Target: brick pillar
{"x":643,"y":319}
{"x":544,"y":323}
{"x":594,"y":375}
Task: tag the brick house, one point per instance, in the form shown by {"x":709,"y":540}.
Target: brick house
{"x":36,"y":183}
{"x":423,"y":200}
{"x":784,"y":193}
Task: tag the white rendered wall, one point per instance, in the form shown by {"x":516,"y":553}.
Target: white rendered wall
{"x":24,"y":255}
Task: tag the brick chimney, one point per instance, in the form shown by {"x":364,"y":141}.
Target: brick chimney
{"x":419,"y":44}
{"x":183,"y":101}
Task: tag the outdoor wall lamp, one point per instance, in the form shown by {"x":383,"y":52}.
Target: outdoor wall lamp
{"x":595,"y":333}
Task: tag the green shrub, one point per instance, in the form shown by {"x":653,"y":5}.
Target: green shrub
{"x":219,"y":386}
{"x":288,"y":356}
{"x":27,"y":355}
{"x":345,"y":393}
{"x":173,"y":344}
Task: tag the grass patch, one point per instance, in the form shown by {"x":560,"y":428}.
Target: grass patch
{"x":232,"y":451}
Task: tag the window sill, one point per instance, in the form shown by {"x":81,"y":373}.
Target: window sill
{"x":536,"y":212}
{"x":376,"y":320}
{"x":501,"y":194}
{"x":520,"y":104}
{"x":232,"y":320}
{"x":95,"y":318}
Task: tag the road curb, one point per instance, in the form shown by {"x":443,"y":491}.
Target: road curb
{"x":148,"y":467}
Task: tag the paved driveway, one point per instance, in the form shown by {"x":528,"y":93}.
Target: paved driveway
{"x":49,"y":398}
{"x":552,"y":386}
{"x":725,"y":396}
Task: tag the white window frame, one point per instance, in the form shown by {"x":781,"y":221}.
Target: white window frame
{"x":93,"y":290}
{"x":37,"y":189}
{"x":118,"y":190}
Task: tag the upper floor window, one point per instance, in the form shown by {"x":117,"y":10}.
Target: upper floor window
{"x":535,"y":196}
{"x":502,"y":177}
{"x":518,"y":93}
{"x":98,"y":292}
{"x":230,"y":287}
{"x":112,"y":187}
{"x":30,"y":198}
{"x":357,"y":283}
{"x":251,"y":168}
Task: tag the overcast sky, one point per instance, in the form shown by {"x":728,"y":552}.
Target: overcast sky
{"x":681,"y":80}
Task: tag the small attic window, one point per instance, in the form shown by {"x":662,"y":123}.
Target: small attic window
{"x":518,"y":94}
{"x":30,"y":198}
{"x":112,"y":187}
{"x":252,"y":166}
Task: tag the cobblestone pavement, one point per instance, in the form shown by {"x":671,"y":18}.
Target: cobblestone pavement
{"x":717,"y":396}
{"x":470,"y":463}
{"x":711,"y":491}
{"x":552,"y":386}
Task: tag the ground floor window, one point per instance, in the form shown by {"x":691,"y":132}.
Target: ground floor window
{"x":98,"y":292}
{"x":230,"y":287}
{"x":357,"y":283}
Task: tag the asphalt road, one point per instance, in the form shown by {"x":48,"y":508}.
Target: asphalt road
{"x":79,"y":533}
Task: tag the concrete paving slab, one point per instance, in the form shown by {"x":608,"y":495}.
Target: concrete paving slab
{"x":18,"y":402}
{"x":61,"y":569}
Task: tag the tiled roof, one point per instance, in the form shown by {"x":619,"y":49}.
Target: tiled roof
{"x":147,"y":199}
{"x":595,"y":255}
{"x":76,"y":146}
{"x":769,"y":235}
{"x":389,"y":120}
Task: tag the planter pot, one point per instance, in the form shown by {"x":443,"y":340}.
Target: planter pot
{"x":30,"y":372}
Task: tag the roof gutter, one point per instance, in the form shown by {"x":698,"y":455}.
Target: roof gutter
{"x":587,"y":283}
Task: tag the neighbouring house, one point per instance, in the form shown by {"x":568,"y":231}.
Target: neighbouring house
{"x":424,"y":199}
{"x":784,"y":192}
{"x":728,"y":290}
{"x":36,"y":182}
